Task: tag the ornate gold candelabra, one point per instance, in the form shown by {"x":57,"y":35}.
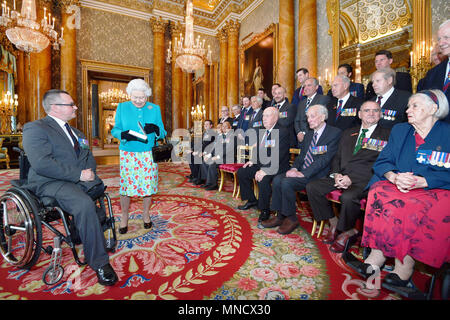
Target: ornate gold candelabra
{"x":8,"y":109}
{"x":198,"y":114}
{"x":419,"y":70}
{"x":325,"y":82}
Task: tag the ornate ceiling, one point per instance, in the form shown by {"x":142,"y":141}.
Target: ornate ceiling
{"x":209,"y":15}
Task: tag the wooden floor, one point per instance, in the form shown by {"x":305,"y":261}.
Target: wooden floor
{"x":107,"y":160}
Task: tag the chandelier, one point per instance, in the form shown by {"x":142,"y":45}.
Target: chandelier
{"x":198,"y":113}
{"x":113,"y":97}
{"x":23,"y":28}
{"x":189,"y":54}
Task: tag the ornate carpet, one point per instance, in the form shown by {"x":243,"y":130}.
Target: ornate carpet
{"x":200,"y":247}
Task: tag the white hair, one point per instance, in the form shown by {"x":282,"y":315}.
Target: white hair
{"x":442,"y":102}
{"x":139,"y":85}
{"x":321,"y":108}
{"x":443,"y":24}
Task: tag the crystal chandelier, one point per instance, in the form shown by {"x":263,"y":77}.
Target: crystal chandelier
{"x":189,"y":54}
{"x":113,"y":97}
{"x":23,"y":28}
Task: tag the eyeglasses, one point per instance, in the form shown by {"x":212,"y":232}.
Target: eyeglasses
{"x":138,"y":98}
{"x":65,"y":104}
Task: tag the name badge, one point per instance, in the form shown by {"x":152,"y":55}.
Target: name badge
{"x":269,"y":144}
{"x":257,"y":124}
{"x":83,"y":143}
{"x":348,"y":112}
{"x":373,"y":144}
{"x":283,"y":114}
{"x":387,"y":114}
{"x":319,"y":150}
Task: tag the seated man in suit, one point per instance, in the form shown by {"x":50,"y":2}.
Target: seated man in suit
{"x":311,"y":86}
{"x":356,"y":89}
{"x":269,"y":158}
{"x":313,"y":162}
{"x":351,"y":170}
{"x":299,"y":94}
{"x":383,"y":60}
{"x":223,"y":152}
{"x":197,"y":148}
{"x":393,"y":102}
{"x":63,"y":167}
{"x":225,"y":115}
{"x":343,"y":109}
{"x":439,"y":76}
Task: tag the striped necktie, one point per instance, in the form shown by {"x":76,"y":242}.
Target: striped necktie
{"x":447,"y":80}
{"x":339,"y":109}
{"x":76,"y":144}
{"x":379,"y":100}
{"x":309,"y":158}
{"x":360,"y":139}
{"x":308,"y":101}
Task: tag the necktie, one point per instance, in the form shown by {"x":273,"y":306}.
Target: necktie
{"x":308,"y":101}
{"x":360,"y":139}
{"x":264,"y":139}
{"x":379,"y":100}
{"x":447,"y":80}
{"x":301,"y":92}
{"x":308,"y":158}
{"x":339,"y":109}
{"x":76,"y":144}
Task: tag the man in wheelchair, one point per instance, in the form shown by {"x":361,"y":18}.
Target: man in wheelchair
{"x":63,"y":167}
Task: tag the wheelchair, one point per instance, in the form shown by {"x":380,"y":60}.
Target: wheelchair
{"x":22,"y":216}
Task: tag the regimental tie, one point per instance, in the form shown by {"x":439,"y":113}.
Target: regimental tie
{"x":264,"y":139}
{"x":308,"y":158}
{"x":76,"y":144}
{"x":360,"y":139}
{"x":379,"y":100}
{"x":308,"y":101}
{"x":447,"y":80}
{"x":339,"y":109}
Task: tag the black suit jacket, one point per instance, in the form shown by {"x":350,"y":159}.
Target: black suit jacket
{"x":273,"y":158}
{"x":53,"y":159}
{"x":287,"y":115}
{"x":229,"y":119}
{"x":300,"y":122}
{"x":321,"y":164}
{"x":398,"y":101}
{"x":402,"y":82}
{"x":435,"y":80}
{"x":344,"y":122}
{"x":359,"y":166}
{"x":244,"y":118}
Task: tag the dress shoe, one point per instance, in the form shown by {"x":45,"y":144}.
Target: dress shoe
{"x":343,"y":241}
{"x":106,"y":275}
{"x":287,"y":226}
{"x":199,"y":182}
{"x":264,"y":215}
{"x":213,"y":187}
{"x":394,"y":280}
{"x":272,"y":222}
{"x":123,"y":230}
{"x":365,"y":270}
{"x":331,"y":236}
{"x":205,"y":186}
{"x":248,"y":205}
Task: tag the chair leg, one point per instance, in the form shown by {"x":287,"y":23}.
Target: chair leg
{"x":238,"y":192}
{"x":314,"y":228}
{"x":234,"y":184}
{"x":222,"y":178}
{"x":320,"y":228}
{"x":255,"y":189}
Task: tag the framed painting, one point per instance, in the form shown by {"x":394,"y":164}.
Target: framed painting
{"x":258,"y":60}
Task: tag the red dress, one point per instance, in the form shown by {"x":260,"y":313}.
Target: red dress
{"x":413,"y":223}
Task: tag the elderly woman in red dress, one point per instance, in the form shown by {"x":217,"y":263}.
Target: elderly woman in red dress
{"x":407,"y":214}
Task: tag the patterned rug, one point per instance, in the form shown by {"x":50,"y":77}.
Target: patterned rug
{"x":200,"y":247}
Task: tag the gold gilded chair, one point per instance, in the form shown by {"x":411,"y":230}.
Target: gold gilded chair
{"x":244,"y":153}
{"x":4,"y":157}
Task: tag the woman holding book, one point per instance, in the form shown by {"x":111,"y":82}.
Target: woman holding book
{"x":138,"y":124}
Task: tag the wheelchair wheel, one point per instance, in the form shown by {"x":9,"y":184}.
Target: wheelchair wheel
{"x":20,"y":229}
{"x":53,"y":275}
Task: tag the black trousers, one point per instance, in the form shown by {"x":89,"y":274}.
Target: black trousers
{"x":208,"y":172}
{"x":284,"y":197}
{"x":246,"y":176}
{"x":72,"y":199}
{"x":194,"y":165}
{"x":350,"y":202}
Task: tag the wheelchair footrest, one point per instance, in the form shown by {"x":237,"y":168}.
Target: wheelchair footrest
{"x":410,"y":291}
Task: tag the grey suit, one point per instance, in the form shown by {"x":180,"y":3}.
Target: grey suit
{"x":55,"y":172}
{"x":300,"y":122}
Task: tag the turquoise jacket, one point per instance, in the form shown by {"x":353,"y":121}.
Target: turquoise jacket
{"x":127,"y":117}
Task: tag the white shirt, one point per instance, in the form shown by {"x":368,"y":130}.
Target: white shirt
{"x":62,"y":125}
{"x":344,"y":99}
{"x":385,"y":96}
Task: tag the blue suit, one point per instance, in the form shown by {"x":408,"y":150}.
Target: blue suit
{"x":399,"y":155}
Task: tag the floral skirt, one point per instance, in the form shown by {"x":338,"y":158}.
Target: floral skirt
{"x":416,"y":223}
{"x":138,"y":174}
